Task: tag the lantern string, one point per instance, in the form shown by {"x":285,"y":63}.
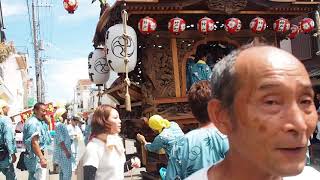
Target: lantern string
{"x":125,"y":37}
{"x":317,"y":17}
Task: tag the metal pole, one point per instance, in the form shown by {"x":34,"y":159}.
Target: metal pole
{"x":36,"y":54}
{"x":42,"y":81}
{"x":1,"y":17}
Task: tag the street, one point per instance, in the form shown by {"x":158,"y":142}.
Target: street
{"x":134,"y":173}
{"x":23,"y":175}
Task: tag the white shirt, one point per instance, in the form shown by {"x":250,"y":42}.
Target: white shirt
{"x":308,"y":173}
{"x":83,"y":127}
{"x":74,"y":132}
{"x":108,"y":158}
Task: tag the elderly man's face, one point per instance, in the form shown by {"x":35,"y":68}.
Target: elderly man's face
{"x":274,"y":114}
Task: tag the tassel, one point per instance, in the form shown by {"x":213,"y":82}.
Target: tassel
{"x":128,"y":102}
{"x":127,"y":96}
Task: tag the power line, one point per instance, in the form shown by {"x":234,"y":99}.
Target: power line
{"x":29,"y":17}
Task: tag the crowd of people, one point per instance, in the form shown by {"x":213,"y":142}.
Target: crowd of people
{"x":103,"y":157}
{"x":256,"y":116}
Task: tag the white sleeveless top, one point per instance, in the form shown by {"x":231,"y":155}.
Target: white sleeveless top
{"x":308,"y":173}
{"x":108,"y":158}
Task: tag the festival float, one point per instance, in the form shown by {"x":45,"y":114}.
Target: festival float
{"x":168,"y":33}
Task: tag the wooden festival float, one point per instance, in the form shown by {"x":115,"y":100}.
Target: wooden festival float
{"x":158,"y":81}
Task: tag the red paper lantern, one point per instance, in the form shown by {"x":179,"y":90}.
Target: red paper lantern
{"x":281,"y":25}
{"x":147,"y":25}
{"x":232,"y":25}
{"x":306,"y":25}
{"x":205,"y":25}
{"x":294,"y":31}
{"x":70,"y":5}
{"x":258,"y":25}
{"x":176,"y":25}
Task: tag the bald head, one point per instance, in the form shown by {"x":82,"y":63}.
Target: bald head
{"x":244,"y":65}
{"x":256,"y":62}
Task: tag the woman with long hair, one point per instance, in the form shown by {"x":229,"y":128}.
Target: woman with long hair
{"x":104,"y":157}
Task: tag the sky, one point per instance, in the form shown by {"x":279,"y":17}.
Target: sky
{"x":67,"y":39}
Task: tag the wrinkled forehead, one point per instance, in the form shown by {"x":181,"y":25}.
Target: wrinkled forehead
{"x":257,"y":63}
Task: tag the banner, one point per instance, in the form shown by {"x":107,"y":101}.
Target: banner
{"x":50,"y":110}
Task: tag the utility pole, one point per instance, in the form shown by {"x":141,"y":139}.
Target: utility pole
{"x":2,"y":35}
{"x":42,"y":81}
{"x":36,"y":55}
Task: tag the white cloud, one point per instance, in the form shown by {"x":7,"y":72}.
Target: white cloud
{"x":13,"y":9}
{"x":62,"y":76}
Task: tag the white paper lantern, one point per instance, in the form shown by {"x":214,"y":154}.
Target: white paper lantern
{"x":99,"y":71}
{"x":115,"y":46}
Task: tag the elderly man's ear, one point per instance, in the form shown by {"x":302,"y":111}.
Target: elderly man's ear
{"x":219,"y":116}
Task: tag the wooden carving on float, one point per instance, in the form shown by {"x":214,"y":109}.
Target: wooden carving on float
{"x":228,"y":6}
{"x":174,"y":110}
{"x":157,"y":65}
{"x":147,"y":89}
{"x":184,"y":46}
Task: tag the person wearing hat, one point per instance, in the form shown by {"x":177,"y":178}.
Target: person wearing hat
{"x":75,"y":135}
{"x":7,"y":144}
{"x":62,"y":141}
{"x":169,"y":133}
{"x":4,"y":109}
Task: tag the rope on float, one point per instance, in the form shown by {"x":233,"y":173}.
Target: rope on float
{"x":125,"y":37}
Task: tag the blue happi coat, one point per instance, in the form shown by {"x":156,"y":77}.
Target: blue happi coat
{"x":200,"y":71}
{"x":166,"y":139}
{"x":7,"y":139}
{"x":197,"y":149}
{"x":65,"y":164}
{"x":35,"y":127}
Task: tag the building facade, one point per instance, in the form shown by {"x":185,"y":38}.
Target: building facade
{"x":82,"y":95}
{"x":14,"y":79}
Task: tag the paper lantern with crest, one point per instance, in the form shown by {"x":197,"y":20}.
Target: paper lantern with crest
{"x":294,"y":31}
{"x":306,"y":25}
{"x":258,"y":25}
{"x":147,"y":25}
{"x":232,"y":25}
{"x":281,"y":25}
{"x":115,"y":44}
{"x":98,"y":68}
{"x":176,"y":25}
{"x":70,"y":5}
{"x":205,"y":25}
